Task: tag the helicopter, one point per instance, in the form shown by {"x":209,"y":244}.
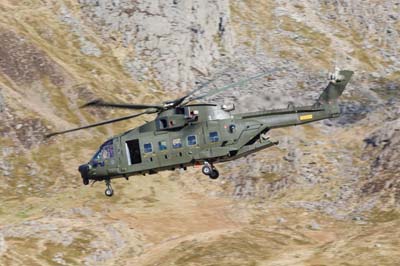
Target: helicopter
{"x":188,"y":134}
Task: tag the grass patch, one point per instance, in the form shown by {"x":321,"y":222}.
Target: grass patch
{"x":379,"y":216}
{"x":72,"y":254}
{"x":271,"y":177}
{"x":23,"y":214}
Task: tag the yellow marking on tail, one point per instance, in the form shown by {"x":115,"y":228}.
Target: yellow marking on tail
{"x":306,"y":117}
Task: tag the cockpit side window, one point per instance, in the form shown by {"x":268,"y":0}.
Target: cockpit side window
{"x":106,"y":151}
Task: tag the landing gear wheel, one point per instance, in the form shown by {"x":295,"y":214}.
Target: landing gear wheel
{"x":206,"y":169}
{"x":214,"y":174}
{"x":109,"y":192}
{"x":85,"y":181}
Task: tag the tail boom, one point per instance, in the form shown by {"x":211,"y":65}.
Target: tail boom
{"x":325,"y":107}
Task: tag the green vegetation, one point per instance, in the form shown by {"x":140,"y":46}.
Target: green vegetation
{"x":380,"y":216}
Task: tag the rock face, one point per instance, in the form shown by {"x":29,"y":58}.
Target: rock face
{"x":3,"y":246}
{"x":381,"y":143}
{"x":381,"y":148}
{"x":182,"y":37}
{"x":22,"y":62}
{"x":2,"y":103}
{"x":373,"y":25}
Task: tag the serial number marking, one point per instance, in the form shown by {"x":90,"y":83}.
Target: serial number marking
{"x":306,"y":117}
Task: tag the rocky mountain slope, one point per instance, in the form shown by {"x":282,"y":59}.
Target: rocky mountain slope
{"x":329,"y":194}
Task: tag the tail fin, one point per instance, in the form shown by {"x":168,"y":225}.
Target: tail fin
{"x":336,"y":86}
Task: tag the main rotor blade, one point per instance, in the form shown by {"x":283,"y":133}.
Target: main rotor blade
{"x":203,"y":85}
{"x":101,"y":123}
{"x":101,"y":103}
{"x":178,"y":101}
{"x":238,"y":83}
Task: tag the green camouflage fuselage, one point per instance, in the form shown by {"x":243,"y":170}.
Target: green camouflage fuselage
{"x":237,"y":136}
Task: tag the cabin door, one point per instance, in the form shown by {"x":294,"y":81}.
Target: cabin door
{"x":132,"y":148}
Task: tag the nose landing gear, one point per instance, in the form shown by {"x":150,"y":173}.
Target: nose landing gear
{"x":109,"y":191}
{"x":209,"y":170}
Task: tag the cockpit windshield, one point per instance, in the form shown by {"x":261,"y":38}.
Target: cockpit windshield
{"x":106,"y":151}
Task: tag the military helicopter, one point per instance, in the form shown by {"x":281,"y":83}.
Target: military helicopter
{"x":186,"y":134}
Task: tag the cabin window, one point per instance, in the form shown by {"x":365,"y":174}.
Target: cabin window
{"x":148,"y":148}
{"x":176,"y":143}
{"x":179,"y":110}
{"x":191,"y":140}
{"x":232,"y":128}
{"x":213,"y":136}
{"x":163,"y":123}
{"x":162,"y":145}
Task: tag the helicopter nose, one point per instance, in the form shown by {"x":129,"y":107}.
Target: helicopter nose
{"x":84,"y":170}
